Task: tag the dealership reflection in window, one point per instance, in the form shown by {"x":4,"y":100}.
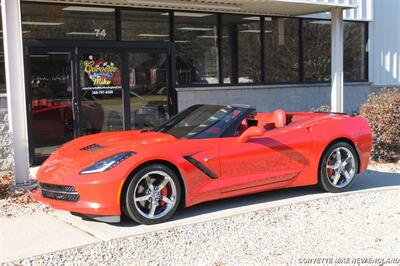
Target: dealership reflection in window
{"x":281,"y":50}
{"x":196,"y":48}
{"x":148,"y":89}
{"x":241,"y":46}
{"x":49,"y":21}
{"x":144,"y":25}
{"x":101,"y":92}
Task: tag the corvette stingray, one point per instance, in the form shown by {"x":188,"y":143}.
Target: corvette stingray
{"x":204,"y":153}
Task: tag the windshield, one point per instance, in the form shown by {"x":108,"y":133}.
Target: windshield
{"x":201,"y":121}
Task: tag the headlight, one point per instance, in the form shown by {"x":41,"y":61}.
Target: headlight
{"x":107,"y":164}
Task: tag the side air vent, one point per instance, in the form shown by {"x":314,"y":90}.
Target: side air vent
{"x":201,"y":167}
{"x":92,"y":147}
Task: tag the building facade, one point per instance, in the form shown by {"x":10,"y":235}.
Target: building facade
{"x":97,"y":66}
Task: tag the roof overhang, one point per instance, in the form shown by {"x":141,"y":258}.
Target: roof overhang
{"x":257,"y":7}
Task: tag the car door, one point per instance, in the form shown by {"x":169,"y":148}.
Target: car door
{"x":263,"y":162}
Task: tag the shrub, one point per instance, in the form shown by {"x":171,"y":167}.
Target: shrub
{"x":382,"y":111}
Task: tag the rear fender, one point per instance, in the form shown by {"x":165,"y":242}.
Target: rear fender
{"x":355,"y":130}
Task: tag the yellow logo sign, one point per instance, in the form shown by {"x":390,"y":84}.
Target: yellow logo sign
{"x":100,"y":72}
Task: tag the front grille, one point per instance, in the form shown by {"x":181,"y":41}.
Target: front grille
{"x":92,"y":147}
{"x":59,"y":192}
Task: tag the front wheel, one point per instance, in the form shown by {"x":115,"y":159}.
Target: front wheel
{"x":338,"y":167}
{"x":153,"y":195}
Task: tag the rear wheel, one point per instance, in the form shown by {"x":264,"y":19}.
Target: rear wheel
{"x":153,"y":195}
{"x":338,"y":167}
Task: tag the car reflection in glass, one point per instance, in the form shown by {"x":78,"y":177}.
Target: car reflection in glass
{"x":54,"y":120}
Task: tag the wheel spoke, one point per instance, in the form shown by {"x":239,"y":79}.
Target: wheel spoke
{"x":149,"y":183}
{"x":142,"y":198}
{"x":163,"y":183}
{"x":336,"y":179}
{"x":167,"y":200}
{"x":333,"y":167}
{"x":347,"y":175}
{"x":152,"y":210}
{"x":347,"y":160}
{"x":338,"y":156}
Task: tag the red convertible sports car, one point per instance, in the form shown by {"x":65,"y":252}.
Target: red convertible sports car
{"x":204,"y":153}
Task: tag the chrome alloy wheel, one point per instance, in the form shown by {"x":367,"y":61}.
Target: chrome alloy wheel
{"x":340,"y":167}
{"x":155,"y":195}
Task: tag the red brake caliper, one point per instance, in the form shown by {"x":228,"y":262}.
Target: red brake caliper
{"x":164,"y":192}
{"x":330,"y":171}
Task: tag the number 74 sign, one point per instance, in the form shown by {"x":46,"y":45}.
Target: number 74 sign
{"x":100,"y":32}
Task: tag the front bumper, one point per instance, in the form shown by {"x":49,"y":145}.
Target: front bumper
{"x":93,"y":195}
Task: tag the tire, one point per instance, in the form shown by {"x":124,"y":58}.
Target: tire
{"x":153,"y":195}
{"x":335,"y":175}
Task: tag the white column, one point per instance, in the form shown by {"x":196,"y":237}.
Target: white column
{"x":15,"y":82}
{"x":337,"y":60}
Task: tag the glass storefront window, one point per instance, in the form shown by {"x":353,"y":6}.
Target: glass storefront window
{"x":227,"y":52}
{"x":101,"y":92}
{"x":249,"y":50}
{"x":354,"y":49}
{"x":46,"y":21}
{"x":148,"y":89}
{"x":144,"y":25}
{"x":281,"y":50}
{"x":52,"y":107}
{"x":241,"y":46}
{"x":196,"y":48}
{"x":317,"y":50}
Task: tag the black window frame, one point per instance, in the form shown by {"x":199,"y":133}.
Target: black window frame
{"x":264,"y":64}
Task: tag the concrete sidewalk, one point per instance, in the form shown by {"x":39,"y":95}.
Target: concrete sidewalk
{"x":42,"y":233}
{"x":36,"y":234}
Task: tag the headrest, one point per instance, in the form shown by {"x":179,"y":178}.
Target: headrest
{"x":279,"y":118}
{"x":244,"y":123}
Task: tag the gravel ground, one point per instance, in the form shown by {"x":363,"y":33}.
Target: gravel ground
{"x":10,"y":207}
{"x":385,"y":167}
{"x":14,"y":203}
{"x":348,"y":227}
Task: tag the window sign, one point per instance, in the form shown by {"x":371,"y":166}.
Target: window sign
{"x":101,"y":90}
{"x":101,"y":73}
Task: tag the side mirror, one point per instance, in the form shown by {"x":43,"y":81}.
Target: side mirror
{"x":251,"y":132}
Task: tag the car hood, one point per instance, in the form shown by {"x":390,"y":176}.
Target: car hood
{"x":82,"y":152}
{"x":104,"y":144}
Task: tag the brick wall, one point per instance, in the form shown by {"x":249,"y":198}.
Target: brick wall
{"x":6,"y":162}
{"x":294,"y":97}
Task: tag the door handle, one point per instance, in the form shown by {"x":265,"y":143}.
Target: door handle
{"x":75,"y":108}
{"x":75,"y":102}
